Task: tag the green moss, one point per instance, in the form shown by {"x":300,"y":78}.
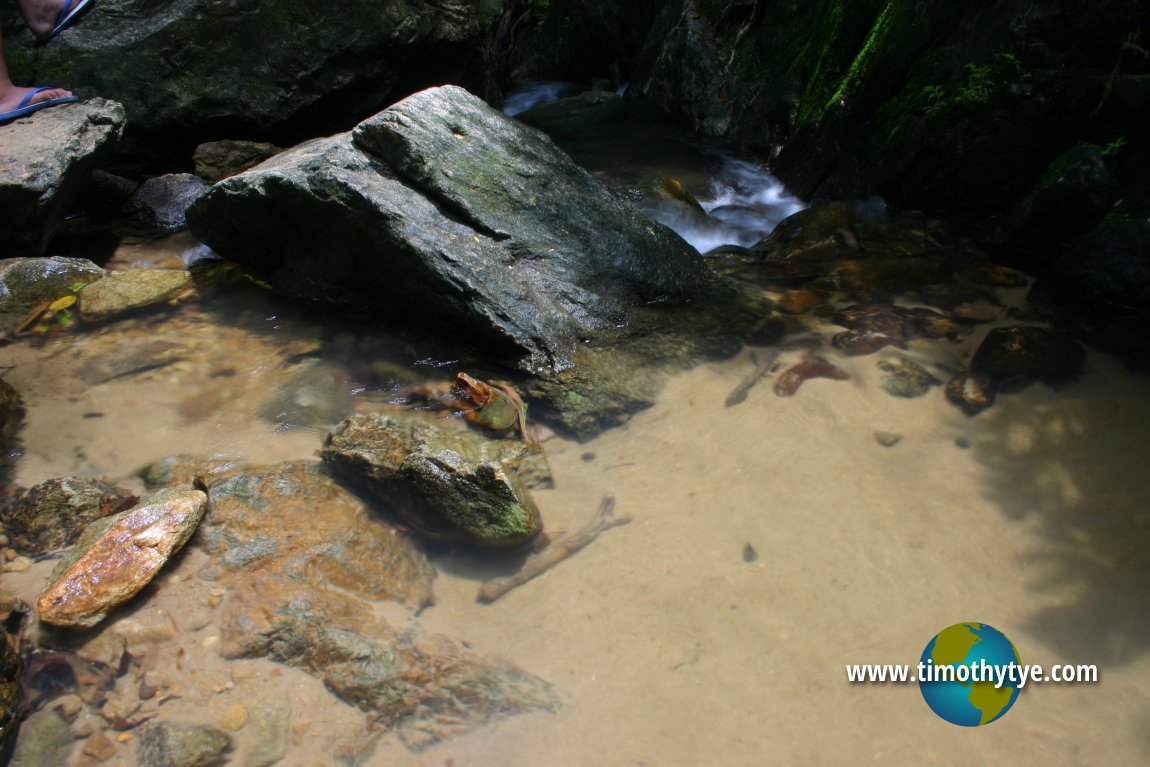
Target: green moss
{"x":980,"y":83}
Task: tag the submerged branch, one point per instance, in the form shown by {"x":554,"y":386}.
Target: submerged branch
{"x":544,"y":560}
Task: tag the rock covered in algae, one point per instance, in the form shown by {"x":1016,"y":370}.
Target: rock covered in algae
{"x":424,"y":687}
{"x":131,"y":289}
{"x":117,"y":556}
{"x":453,"y":486}
{"x":906,"y":378}
{"x":55,"y":512}
{"x":163,"y":744}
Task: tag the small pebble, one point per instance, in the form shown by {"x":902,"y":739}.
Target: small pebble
{"x":234,"y":718}
{"x":588,"y":457}
{"x":100,"y":747}
{"x":749,"y":553}
{"x":887,"y":438}
{"x":17,"y":565}
{"x":962,"y":443}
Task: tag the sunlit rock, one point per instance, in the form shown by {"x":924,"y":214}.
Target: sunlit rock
{"x":451,"y":485}
{"x":117,"y":556}
{"x":44,"y":159}
{"x":132,"y":289}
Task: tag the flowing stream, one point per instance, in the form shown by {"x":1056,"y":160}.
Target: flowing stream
{"x":773,"y":542}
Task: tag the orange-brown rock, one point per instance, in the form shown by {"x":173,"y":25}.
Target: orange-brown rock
{"x":119,"y":555}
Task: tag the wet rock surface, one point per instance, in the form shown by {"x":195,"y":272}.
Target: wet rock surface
{"x":126,"y":291}
{"x":442,"y":206}
{"x":117,"y":556}
{"x":25,"y":283}
{"x":453,"y":486}
{"x":54,"y":513}
{"x":160,"y":202}
{"x":44,"y":159}
{"x":216,"y":160}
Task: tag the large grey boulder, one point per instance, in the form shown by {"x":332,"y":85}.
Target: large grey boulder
{"x":44,"y":160}
{"x":199,"y":69}
{"x":442,"y":210}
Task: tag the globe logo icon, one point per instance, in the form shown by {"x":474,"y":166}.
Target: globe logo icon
{"x":969,"y":674}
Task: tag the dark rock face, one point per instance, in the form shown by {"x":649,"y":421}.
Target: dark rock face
{"x":160,"y":202}
{"x":44,"y":159}
{"x":442,"y":210}
{"x":927,"y":103}
{"x":1023,"y":354}
{"x":203,"y":69}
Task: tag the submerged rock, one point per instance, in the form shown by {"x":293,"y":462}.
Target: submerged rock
{"x":451,"y":485}
{"x":424,"y":687}
{"x":971,"y":391}
{"x":25,"y":283}
{"x":117,"y":556}
{"x":163,"y":744}
{"x":1023,"y":354}
{"x":906,"y":378}
{"x":293,"y":521}
{"x":55,"y":512}
{"x":314,"y":395}
{"x":44,"y":160}
{"x":45,"y":738}
{"x":304,"y":564}
{"x":132,"y":289}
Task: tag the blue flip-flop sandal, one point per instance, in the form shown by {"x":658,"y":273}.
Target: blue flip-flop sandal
{"x":25,"y":107}
{"x":69,"y":13}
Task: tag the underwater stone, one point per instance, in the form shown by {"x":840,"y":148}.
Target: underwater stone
{"x":55,"y":512}
{"x":163,"y":744}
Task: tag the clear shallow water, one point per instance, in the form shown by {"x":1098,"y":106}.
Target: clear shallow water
{"x":666,"y":645}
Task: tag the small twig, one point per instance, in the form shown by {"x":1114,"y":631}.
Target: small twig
{"x":559,"y":550}
{"x":761,"y":369}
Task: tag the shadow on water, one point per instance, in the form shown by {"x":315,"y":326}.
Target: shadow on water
{"x":1073,"y":466}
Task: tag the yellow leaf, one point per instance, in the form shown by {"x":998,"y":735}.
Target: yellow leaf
{"x":61,"y":303}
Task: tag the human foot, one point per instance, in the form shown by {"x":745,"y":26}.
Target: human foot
{"x":17,"y":102}
{"x":48,"y":17}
